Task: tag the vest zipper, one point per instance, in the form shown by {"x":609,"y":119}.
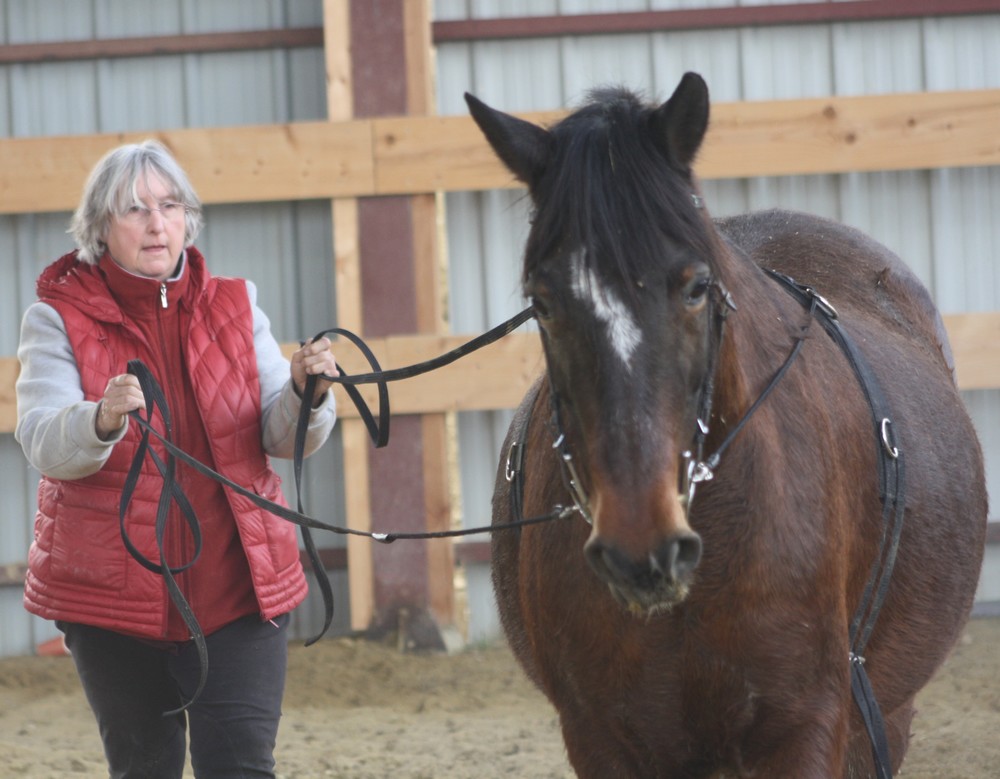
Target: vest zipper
{"x":177,"y":544}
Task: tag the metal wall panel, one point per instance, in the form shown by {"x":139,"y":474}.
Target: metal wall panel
{"x":286,"y":248}
{"x":943,"y":223}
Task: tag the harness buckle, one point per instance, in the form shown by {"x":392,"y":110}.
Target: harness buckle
{"x":515,"y":457}
{"x":886,"y":433}
{"x":695,"y":472}
{"x":699,"y":471}
{"x":822,"y":303}
{"x":726,"y":299}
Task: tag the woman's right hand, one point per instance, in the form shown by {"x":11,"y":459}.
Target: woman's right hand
{"x":122,"y":395}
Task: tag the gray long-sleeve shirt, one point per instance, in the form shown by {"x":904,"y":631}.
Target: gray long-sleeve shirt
{"x":56,"y":426}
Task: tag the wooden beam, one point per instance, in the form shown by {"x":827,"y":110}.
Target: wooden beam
{"x":395,"y":155}
{"x":856,"y":134}
{"x":497,"y":376}
{"x":435,"y":153}
{"x":347,"y":259}
{"x":748,"y":139}
{"x":430,"y":293}
{"x":252,"y":163}
{"x":9,"y":368}
{"x":975,"y":342}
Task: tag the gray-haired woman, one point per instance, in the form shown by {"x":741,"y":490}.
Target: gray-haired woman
{"x":136,"y":287}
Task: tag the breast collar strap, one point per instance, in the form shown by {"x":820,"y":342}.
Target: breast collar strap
{"x":892,"y":491}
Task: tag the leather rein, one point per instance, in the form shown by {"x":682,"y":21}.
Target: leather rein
{"x":378,"y":430}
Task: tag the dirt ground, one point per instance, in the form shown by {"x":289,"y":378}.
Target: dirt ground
{"x":360,"y":710}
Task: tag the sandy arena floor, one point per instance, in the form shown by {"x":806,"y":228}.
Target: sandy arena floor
{"x":360,"y":710}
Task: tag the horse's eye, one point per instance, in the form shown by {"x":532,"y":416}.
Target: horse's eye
{"x":542,"y":310}
{"x":696,"y":290}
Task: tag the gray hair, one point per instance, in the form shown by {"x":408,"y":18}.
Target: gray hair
{"x":111,"y":190}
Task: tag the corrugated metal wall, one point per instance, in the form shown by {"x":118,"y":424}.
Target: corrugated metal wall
{"x":286,"y":248}
{"x":943,"y":223}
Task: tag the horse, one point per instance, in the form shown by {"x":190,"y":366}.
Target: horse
{"x":692,"y":613}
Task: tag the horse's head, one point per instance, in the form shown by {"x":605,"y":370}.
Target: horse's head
{"x":619,"y":268}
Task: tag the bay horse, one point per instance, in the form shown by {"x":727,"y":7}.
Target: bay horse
{"x":709,"y":634}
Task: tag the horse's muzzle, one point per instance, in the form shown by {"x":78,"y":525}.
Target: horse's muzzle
{"x":656,"y":582}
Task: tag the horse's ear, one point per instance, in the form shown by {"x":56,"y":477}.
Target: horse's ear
{"x":680,"y":124}
{"x":522,"y":146}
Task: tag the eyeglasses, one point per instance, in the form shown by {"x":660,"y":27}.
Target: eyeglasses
{"x":169,"y":210}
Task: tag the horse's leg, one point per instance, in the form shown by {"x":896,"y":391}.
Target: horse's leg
{"x":860,"y":764}
{"x":811,"y":743}
{"x":597,"y":749}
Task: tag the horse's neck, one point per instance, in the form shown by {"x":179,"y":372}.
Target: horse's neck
{"x":757,"y":339}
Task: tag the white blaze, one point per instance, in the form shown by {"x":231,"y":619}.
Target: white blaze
{"x":622,"y":330}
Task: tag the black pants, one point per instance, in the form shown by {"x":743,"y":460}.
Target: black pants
{"x":234,"y":723}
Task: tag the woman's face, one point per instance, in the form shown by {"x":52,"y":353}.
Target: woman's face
{"x":148,"y":241}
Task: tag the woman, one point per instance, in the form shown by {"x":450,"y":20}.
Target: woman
{"x":137,"y":288}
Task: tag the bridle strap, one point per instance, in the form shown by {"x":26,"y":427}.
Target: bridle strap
{"x":514,"y":470}
{"x":704,"y":469}
{"x":696,"y":468}
{"x":378,"y":376}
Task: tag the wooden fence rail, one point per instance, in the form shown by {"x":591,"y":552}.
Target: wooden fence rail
{"x":409,"y":155}
{"x":497,"y":376}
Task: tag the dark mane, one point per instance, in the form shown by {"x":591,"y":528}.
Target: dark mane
{"x":611,"y":188}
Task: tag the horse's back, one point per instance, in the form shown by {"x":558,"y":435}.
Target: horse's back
{"x":862,"y":279}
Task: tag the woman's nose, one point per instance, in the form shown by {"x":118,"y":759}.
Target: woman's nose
{"x":156,"y":221}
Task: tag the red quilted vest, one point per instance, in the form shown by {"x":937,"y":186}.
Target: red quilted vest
{"x":79,"y":569}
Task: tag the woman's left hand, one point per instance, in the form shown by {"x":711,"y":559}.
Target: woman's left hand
{"x":314,"y":359}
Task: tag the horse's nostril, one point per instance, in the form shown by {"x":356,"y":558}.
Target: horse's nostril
{"x":672,"y":561}
{"x":687,"y":554}
{"x":606,"y":561}
{"x":676,"y":557}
